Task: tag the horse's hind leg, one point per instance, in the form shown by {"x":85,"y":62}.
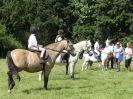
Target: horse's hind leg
{"x":11,"y":82}
{"x":40,"y":75}
{"x":89,"y":64}
{"x":83,"y":65}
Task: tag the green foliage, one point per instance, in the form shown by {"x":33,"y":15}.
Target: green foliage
{"x":82,"y":33}
{"x":108,"y":17}
{"x":80,"y":19}
{"x":7,"y":41}
{"x":126,"y":39}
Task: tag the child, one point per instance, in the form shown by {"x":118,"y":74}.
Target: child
{"x":33,"y":44}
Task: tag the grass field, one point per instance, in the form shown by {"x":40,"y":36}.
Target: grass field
{"x":88,"y":84}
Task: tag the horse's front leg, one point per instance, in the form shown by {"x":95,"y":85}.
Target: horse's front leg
{"x":103,"y":64}
{"x":47,"y":71}
{"x":72,"y":66}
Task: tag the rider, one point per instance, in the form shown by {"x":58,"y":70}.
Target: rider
{"x":97,"y":48}
{"x":60,"y":35}
{"x":58,"y":38}
{"x":33,"y":44}
{"x":108,"y":41}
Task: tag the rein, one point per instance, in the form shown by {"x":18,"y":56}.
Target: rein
{"x":54,"y":50}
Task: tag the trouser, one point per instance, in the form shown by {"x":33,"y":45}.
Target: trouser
{"x":98,"y":53}
{"x":39,"y":49}
{"x":128,"y":62}
{"x":117,"y":64}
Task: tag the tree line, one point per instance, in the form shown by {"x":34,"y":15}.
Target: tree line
{"x":80,"y":19}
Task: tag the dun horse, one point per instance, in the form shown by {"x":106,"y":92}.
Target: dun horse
{"x":21,"y":59}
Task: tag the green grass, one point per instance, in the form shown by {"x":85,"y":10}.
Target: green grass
{"x":88,"y":84}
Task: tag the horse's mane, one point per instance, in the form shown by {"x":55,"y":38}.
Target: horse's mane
{"x":80,"y":42}
{"x":53,"y":45}
{"x":79,"y":46}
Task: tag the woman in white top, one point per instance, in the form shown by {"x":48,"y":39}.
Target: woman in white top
{"x":33,"y":44}
{"x":128,"y":56}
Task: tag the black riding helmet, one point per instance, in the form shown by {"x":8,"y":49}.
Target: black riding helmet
{"x":60,"y":32}
{"x":34,"y":29}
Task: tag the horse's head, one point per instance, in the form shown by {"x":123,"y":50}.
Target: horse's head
{"x":68,"y":46}
{"x":88,"y":45}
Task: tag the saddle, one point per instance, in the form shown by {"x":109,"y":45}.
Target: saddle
{"x":45,"y":56}
{"x":96,"y":55}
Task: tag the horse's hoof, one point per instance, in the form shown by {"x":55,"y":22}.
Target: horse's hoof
{"x":9,"y":91}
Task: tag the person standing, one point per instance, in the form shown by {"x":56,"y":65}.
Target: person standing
{"x":118,"y":51}
{"x":128,"y":56}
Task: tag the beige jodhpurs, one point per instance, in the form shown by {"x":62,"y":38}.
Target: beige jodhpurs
{"x":39,"y":48}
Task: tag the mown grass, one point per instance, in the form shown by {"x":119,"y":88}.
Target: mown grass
{"x":88,"y":84}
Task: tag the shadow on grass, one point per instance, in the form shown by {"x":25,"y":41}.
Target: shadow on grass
{"x":31,"y":90}
{"x":28,"y":91}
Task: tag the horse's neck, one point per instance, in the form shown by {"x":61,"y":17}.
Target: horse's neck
{"x":54,"y":50}
{"x":79,"y":46}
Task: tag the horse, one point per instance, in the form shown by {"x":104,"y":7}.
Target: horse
{"x":106,"y":54}
{"x":72,"y":60}
{"x":25,"y":60}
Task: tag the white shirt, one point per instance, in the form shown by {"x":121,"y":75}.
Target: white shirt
{"x":107,"y":43}
{"x":32,"y":41}
{"x":96,"y":46}
{"x":128,"y":53}
{"x":58,"y":38}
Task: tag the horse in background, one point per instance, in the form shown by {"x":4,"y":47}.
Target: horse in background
{"x":106,"y":54}
{"x":72,"y":60}
{"x":21,"y":59}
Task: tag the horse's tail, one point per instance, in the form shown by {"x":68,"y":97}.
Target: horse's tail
{"x":11,"y":66}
